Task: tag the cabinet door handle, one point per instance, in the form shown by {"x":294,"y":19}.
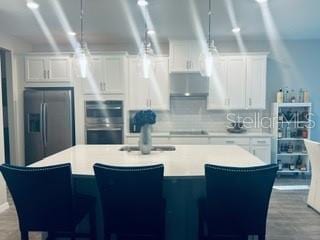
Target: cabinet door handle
{"x":187,"y":64}
{"x":230,"y":142}
{"x":262,"y":142}
{"x":48,"y":75}
{"x":101,"y":87}
{"x":190,"y":64}
{"x":44,"y":74}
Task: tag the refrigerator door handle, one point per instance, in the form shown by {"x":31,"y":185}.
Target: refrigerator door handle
{"x":41,"y":122}
{"x":45,"y":124}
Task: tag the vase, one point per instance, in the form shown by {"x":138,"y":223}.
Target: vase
{"x":145,"y":140}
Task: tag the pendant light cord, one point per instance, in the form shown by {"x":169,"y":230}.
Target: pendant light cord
{"x":209,"y":30}
{"x":81,"y":24}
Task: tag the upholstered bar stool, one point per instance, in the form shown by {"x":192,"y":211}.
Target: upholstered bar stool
{"x":132,"y":202}
{"x":236,"y":203}
{"x":313,"y":149}
{"x":45,"y":201}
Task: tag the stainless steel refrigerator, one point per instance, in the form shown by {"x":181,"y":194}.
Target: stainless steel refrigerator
{"x":49,"y":123}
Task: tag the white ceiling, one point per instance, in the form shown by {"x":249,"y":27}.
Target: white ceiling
{"x":107,"y":21}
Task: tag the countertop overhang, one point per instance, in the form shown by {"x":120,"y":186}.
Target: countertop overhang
{"x":209,"y":135}
{"x":185,"y":161}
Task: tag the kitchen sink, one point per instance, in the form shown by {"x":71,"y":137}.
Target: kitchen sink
{"x":154,"y":148}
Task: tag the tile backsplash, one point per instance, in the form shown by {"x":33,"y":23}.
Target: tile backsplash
{"x":192,"y":114}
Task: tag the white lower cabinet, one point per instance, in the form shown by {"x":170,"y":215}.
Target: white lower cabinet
{"x":258,"y":146}
{"x":189,"y":140}
{"x":241,"y":142}
{"x":261,"y":148}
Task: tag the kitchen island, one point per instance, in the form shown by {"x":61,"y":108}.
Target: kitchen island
{"x":183,"y":176}
{"x":185,"y":161}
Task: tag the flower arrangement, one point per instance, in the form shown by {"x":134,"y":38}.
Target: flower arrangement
{"x":144,"y":117}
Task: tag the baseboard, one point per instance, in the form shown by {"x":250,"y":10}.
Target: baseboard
{"x":4,"y":207}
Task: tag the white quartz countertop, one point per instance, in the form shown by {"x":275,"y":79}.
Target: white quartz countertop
{"x":186,"y":161}
{"x":210,"y":134}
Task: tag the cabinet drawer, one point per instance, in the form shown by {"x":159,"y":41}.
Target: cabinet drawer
{"x":132,"y":140}
{"x":189,"y":140}
{"x":231,"y":141}
{"x":260,"y":141}
{"x":160,"y":140}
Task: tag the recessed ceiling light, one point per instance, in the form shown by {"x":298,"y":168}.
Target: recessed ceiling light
{"x":151,"y":32}
{"x":236,"y":30}
{"x":261,"y":1}
{"x":187,"y":94}
{"x":32,"y":5}
{"x":142,"y":3}
{"x":72,"y":33}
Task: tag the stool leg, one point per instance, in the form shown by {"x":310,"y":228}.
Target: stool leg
{"x":92,"y":219}
{"x":24,"y":235}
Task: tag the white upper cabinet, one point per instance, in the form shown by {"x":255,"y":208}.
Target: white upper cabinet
{"x":184,"y":56}
{"x":93,"y":84}
{"x":107,"y":75}
{"x":149,"y":93}
{"x":238,"y":82}
{"x":138,"y":87}
{"x":59,"y":69}
{"x":218,"y":98}
{"x":256,"y":82}
{"x":114,"y":75}
{"x":48,"y":69}
{"x":159,"y":85}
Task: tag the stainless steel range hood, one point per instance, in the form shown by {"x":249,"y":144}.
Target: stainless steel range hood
{"x":188,"y":85}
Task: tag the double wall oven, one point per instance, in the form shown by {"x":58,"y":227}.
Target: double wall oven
{"x":104,"y":122}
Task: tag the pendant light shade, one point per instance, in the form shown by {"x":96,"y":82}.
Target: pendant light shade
{"x":82,"y":57}
{"x":82,"y":61}
{"x":146,"y":61}
{"x":209,"y":55}
{"x":207,"y":59}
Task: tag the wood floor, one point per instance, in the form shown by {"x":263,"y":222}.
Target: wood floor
{"x":289,"y":217}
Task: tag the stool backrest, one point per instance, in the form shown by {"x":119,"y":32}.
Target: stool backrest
{"x":313,"y":149}
{"x":129,"y":194}
{"x":42,"y":196}
{"x":238,"y":198}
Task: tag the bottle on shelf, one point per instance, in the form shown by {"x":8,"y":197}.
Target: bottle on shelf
{"x":280,"y":117}
{"x":280,"y":135}
{"x":293,"y":97}
{"x":301,"y":94}
{"x":288,"y":131}
{"x":286,"y":95}
{"x":304,"y":132}
{"x":306,"y":96}
{"x":290,"y":148}
{"x":280,"y":167}
{"x":299,"y":163}
{"x":280,"y":96}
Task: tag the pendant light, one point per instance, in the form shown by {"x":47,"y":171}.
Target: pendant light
{"x":82,"y":55}
{"x":207,"y":58}
{"x":146,"y":56}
